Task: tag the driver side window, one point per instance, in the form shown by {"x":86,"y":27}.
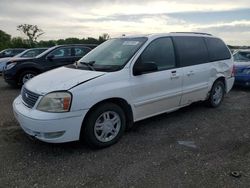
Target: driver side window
{"x":160,"y":52}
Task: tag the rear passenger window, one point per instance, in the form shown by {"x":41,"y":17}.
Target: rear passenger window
{"x":81,"y":51}
{"x":191,"y":50}
{"x":217,"y":49}
{"x":160,"y":52}
{"x":61,"y":52}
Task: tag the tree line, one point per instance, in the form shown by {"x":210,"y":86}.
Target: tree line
{"x":33,"y":32}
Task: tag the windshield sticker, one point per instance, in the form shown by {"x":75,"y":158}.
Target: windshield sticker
{"x":130,"y":43}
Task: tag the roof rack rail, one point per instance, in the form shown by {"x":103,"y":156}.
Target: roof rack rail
{"x":194,"y":33}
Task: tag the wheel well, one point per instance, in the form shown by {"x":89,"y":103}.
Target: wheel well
{"x":27,"y":69}
{"x":121,"y":103}
{"x":223,"y":80}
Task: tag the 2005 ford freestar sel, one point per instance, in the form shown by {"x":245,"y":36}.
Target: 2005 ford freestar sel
{"x":122,"y":81}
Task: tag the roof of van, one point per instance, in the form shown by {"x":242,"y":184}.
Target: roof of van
{"x":170,"y":34}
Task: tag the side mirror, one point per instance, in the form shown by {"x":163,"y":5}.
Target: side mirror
{"x":141,"y":68}
{"x":50,"y":57}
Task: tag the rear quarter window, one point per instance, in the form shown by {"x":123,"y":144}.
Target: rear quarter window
{"x":217,"y":49}
{"x":191,"y":50}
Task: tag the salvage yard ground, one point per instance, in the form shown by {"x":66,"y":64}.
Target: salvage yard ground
{"x":193,"y":147}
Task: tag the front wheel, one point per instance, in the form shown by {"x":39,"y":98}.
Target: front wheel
{"x":216,"y":94}
{"x":26,"y":76}
{"x":104,"y":125}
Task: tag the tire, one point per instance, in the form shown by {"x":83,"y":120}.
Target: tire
{"x":216,"y":94}
{"x":104,"y":126}
{"x":25,"y":76}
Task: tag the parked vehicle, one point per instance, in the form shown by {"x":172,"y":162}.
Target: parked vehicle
{"x":33,"y":52}
{"x":20,"y":70}
{"x":242,"y":66}
{"x":122,"y":81}
{"x":11,"y":52}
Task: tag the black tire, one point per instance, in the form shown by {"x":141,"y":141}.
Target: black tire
{"x":88,"y":132}
{"x":25,"y":73}
{"x":211,"y":101}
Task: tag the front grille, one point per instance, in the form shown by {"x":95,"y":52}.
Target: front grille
{"x":29,"y":98}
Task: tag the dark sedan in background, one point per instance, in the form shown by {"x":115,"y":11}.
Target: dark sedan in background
{"x":19,"y":71}
{"x":242,"y":67}
{"x":32,"y":52}
{"x":11,"y":52}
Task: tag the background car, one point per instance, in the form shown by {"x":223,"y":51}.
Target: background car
{"x":33,"y":52}
{"x":242,"y":67}
{"x":20,"y":70}
{"x":11,"y":52}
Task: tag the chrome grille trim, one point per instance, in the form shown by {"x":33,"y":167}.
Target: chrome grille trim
{"x":29,"y":98}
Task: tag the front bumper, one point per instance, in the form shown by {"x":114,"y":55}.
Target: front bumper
{"x":49,"y":127}
{"x":9,"y":77}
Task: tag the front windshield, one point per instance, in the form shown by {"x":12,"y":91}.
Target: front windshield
{"x":22,"y":53}
{"x":113,"y":54}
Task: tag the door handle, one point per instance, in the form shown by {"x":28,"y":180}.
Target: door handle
{"x":174,"y":75}
{"x":190,"y":73}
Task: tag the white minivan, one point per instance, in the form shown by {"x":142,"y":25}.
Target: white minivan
{"x":122,"y":81}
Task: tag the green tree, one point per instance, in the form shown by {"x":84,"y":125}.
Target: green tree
{"x":31,"y":31}
{"x":48,"y":43}
{"x":104,"y":37}
{"x":60,"y":42}
{"x":4,"y":40}
{"x":90,"y":40}
{"x":72,"y":41}
{"x":18,"y":42}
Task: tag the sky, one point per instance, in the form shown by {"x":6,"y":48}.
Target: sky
{"x":228,"y":19}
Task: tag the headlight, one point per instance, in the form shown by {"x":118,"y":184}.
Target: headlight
{"x":246,"y":71}
{"x":55,"y":102}
{"x":10,"y":66}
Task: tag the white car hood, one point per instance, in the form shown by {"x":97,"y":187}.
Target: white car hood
{"x":60,"y":79}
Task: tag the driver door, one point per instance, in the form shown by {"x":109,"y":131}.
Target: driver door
{"x":159,"y":91}
{"x":59,"y":57}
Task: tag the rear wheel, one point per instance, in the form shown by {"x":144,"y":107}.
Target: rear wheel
{"x":104,"y":125}
{"x":216,"y":94}
{"x":26,"y":76}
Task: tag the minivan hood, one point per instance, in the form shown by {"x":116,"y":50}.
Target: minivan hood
{"x":60,"y":79}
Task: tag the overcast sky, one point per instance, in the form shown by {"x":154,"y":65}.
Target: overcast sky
{"x":228,"y":19}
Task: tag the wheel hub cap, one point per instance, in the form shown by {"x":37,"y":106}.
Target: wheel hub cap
{"x":107,"y":126}
{"x":217,"y":95}
{"x":27,"y":77}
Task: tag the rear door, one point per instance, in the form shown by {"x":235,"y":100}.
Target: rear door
{"x":79,"y":52}
{"x":159,"y":91}
{"x":193,"y":58}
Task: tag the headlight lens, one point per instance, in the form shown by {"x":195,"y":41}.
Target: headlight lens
{"x":10,"y":66}
{"x":55,"y":102}
{"x":246,"y":71}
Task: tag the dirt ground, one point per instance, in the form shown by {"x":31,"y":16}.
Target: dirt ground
{"x":192,"y":147}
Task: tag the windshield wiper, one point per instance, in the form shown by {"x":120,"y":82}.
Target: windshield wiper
{"x":89,"y":64}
